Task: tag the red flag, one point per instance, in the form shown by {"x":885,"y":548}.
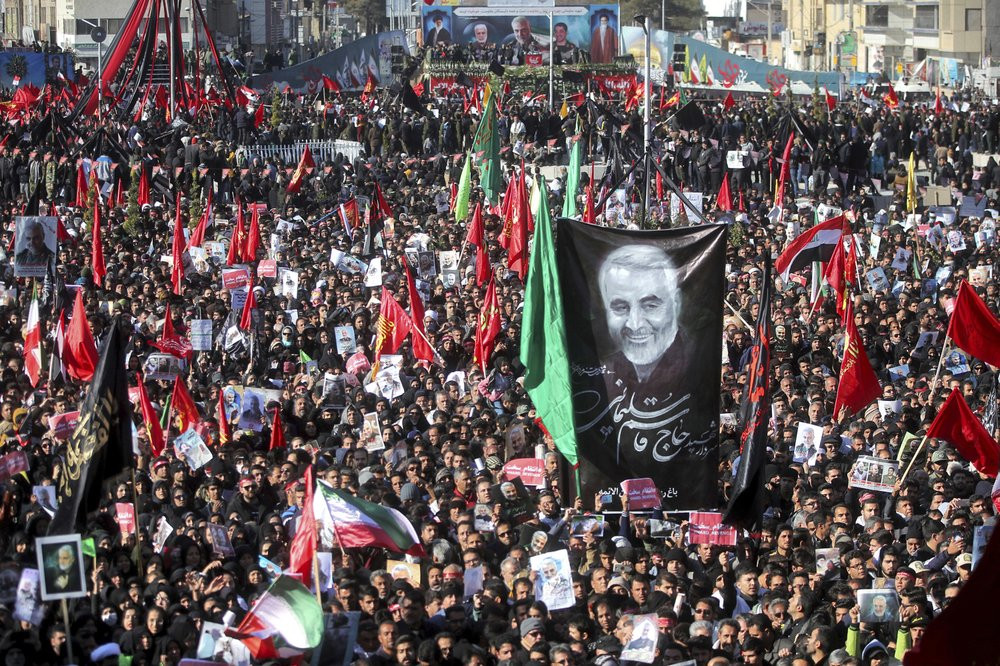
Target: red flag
{"x":476,"y":227}
{"x":659,"y":185}
{"x":81,"y":186}
{"x":305,"y":162}
{"x":258,"y":116}
{"x":154,"y":432}
{"x":177,"y":269}
{"x":97,"y":249}
{"x":517,"y":248}
{"x":973,"y":327}
{"x":510,"y":197}
{"x":484,"y":270}
{"x":831,"y":101}
{"x":890,"y":98}
{"x":79,"y":351}
{"x":858,"y":385}
{"x":938,"y":105}
{"x":392,"y":328}
{"x":238,"y":237}
{"x":589,"y":212}
{"x":488,"y":327}
{"x":253,"y":236}
{"x":277,"y":432}
{"x":962,"y":633}
{"x":220,"y":414}
{"x":379,"y":203}
{"x":725,"y":200}
{"x":246,"y":318}
{"x":170,"y":342}
{"x":421,"y":348}
{"x":143,"y":197}
{"x":785,"y":172}
{"x":835,"y":276}
{"x":198,"y":235}
{"x":302,"y":551}
{"x":956,"y":424}
{"x":369,"y":88}
{"x":729,"y":102}
{"x":183,"y":407}
{"x":329,"y":85}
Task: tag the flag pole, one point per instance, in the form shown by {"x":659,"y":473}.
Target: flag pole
{"x":69,"y":636}
{"x":937,"y":373}
{"x":913,"y":459}
{"x":319,"y":594}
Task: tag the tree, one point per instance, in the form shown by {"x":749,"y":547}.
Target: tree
{"x":369,"y":14}
{"x":818,"y":103}
{"x":682,"y":15}
{"x":132,"y":210}
{"x":276,"y":101}
{"x":195,"y":206}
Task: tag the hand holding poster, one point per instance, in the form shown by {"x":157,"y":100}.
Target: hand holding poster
{"x":878,"y":606}
{"x":531,"y":471}
{"x":554,"y":581}
{"x":125,"y":517}
{"x":28,"y":606}
{"x":641,"y":493}
{"x":874,"y":474}
{"x":707,"y":527}
{"x":60,"y":559}
{"x":642,"y":638}
{"x":371,"y":433}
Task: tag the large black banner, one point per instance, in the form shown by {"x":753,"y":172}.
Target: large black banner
{"x":644,"y":335}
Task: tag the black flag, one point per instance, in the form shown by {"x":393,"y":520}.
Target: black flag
{"x":689,"y":117}
{"x":645,"y":356}
{"x":746,"y":505}
{"x":411,"y":101}
{"x":101,"y":445}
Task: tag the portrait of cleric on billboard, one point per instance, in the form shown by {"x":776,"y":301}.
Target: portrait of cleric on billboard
{"x":645,"y":354}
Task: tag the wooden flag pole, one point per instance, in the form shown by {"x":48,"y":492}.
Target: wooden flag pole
{"x":69,"y":636}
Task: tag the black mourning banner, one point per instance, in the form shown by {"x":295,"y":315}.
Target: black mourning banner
{"x":644,"y":321}
{"x":101,"y":445}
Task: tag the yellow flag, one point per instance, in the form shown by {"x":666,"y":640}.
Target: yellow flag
{"x":564,"y":111}
{"x":911,"y":185}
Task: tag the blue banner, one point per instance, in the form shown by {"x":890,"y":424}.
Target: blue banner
{"x":723,"y":70}
{"x":349,"y":66}
{"x":34,"y":68}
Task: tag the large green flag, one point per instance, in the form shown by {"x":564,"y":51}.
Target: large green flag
{"x":543,"y":337}
{"x":486,"y":152}
{"x":464,"y":190}
{"x":572,"y":176}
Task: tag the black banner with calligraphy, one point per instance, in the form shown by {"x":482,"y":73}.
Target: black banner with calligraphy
{"x":748,"y":498}
{"x":101,"y":445}
{"x":644,"y":321}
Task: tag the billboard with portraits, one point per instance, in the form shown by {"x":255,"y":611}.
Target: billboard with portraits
{"x":513,"y":35}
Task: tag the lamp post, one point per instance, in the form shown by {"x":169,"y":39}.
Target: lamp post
{"x":647,"y":148}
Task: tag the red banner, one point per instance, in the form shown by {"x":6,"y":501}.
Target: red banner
{"x":267,"y":268}
{"x":64,"y":424}
{"x":125,"y":517}
{"x":642,"y":494}
{"x":531,"y":471}
{"x":233,"y":278}
{"x":13,"y":463}
{"x":707,"y":527}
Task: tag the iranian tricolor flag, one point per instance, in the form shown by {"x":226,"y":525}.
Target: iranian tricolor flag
{"x":33,"y":343}
{"x":359,"y":523}
{"x":286,"y":620}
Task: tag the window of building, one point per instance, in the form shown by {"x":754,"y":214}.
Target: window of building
{"x":925,"y":17}
{"x":973,"y":20}
{"x":877,"y":16}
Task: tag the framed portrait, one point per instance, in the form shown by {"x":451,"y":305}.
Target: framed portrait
{"x":35,"y":246}
{"x":878,"y":606}
{"x":60,"y":559}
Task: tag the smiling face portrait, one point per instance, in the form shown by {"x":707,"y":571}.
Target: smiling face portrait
{"x":638,"y":286}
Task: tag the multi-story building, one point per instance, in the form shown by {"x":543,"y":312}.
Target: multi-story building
{"x":889,"y":36}
{"x":30,"y":20}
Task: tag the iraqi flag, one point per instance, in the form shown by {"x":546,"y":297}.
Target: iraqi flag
{"x":286,"y":620}
{"x":358,"y":523}
{"x":816,"y":244}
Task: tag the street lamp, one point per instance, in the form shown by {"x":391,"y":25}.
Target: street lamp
{"x":647,"y":27}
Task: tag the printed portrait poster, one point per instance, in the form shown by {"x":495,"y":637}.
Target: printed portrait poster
{"x":644,"y":357}
{"x":554,"y":582}
{"x":28,"y":606}
{"x":254,"y":403}
{"x":35,"y":246}
{"x":808,"y":441}
{"x":371,"y":433}
{"x":60,"y":559}
{"x":878,"y":606}
{"x":641,"y":645}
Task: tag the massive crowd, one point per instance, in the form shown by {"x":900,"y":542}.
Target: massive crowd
{"x":785,"y":594}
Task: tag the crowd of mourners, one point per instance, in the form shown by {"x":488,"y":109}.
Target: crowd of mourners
{"x":767,"y":600}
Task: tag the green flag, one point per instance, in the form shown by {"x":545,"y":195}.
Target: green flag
{"x":88,"y":547}
{"x":543,"y":338}
{"x":703,"y":69}
{"x":572,"y":177}
{"x":686,"y":78}
{"x":464,"y":190}
{"x":486,"y":152}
